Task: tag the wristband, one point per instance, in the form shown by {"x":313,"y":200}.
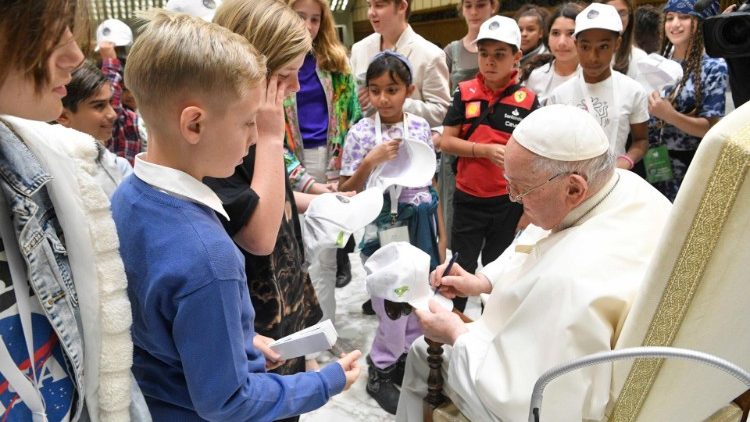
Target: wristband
{"x":630,"y":161}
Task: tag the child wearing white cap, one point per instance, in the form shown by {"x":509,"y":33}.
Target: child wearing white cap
{"x":204,"y":9}
{"x":393,"y":146}
{"x":479,"y":122}
{"x":618,"y":102}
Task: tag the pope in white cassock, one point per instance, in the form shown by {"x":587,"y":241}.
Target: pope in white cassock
{"x":561,"y":290}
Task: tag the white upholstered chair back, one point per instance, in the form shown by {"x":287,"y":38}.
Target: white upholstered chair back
{"x":697,"y":291}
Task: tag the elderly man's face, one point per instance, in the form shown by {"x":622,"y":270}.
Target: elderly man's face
{"x":546,"y":203}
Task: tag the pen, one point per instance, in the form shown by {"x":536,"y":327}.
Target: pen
{"x":447,"y":270}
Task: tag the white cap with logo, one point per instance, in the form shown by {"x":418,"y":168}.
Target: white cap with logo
{"x":657,"y":71}
{"x":114,"y":31}
{"x":203,"y":9}
{"x":331,"y":218}
{"x":413,"y":167}
{"x":500,"y":28}
{"x":400,"y":272}
{"x":598,"y":16}
{"x":562,"y":132}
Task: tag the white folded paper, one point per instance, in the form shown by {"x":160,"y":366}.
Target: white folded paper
{"x":317,"y":338}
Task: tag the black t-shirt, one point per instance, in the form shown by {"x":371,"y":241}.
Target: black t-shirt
{"x":282,"y":294}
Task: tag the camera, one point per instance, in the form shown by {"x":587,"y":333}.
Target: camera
{"x":728,"y":36}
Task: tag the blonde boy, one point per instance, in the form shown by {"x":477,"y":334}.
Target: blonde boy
{"x":200,"y":88}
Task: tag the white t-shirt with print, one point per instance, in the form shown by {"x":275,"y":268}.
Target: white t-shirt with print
{"x":632,"y":104}
{"x":543,"y":80}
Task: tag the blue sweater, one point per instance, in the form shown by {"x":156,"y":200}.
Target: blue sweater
{"x":193,"y":321}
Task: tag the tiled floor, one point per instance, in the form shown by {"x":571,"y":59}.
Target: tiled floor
{"x":358,"y":330}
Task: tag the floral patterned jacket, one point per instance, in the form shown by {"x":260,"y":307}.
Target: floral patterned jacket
{"x":343,"y":112}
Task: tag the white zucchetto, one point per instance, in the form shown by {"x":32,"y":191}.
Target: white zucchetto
{"x":562,"y":132}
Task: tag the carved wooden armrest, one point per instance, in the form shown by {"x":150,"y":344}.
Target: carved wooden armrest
{"x":435,"y":397}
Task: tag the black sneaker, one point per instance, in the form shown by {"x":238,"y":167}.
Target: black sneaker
{"x":343,"y":274}
{"x":367,"y":308}
{"x":398,"y":373}
{"x":381,"y":388}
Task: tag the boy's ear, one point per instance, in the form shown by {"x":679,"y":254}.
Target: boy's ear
{"x":191,"y":123}
{"x":617,"y":43}
{"x":64,"y":118}
{"x":410,"y":90}
{"x":518,"y":55}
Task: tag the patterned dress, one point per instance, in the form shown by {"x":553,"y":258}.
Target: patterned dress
{"x":343,"y":112}
{"x":682,"y":146}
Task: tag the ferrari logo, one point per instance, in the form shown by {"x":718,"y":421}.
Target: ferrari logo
{"x":519,"y":96}
{"x":473,"y":109}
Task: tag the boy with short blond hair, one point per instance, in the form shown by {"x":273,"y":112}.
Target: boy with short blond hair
{"x":199,"y":85}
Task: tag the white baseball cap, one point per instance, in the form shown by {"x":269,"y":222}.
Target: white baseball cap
{"x":656,"y":72}
{"x":562,"y":132}
{"x":413,"y":167}
{"x":598,"y":16}
{"x":203,"y":9}
{"x":114,"y":31}
{"x":400,"y":272}
{"x":331,"y":218}
{"x":500,"y":28}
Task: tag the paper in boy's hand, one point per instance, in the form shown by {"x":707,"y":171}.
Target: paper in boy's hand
{"x":317,"y":338}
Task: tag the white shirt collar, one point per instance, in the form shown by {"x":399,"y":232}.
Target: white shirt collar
{"x":177,"y":183}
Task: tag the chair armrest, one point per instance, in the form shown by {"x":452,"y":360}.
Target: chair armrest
{"x":630,"y":353}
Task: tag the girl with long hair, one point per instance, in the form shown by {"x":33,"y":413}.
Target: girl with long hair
{"x":683,"y":113}
{"x":64,"y":303}
{"x":532,"y":20}
{"x":264,"y":222}
{"x":561,"y":64}
{"x":315,"y":144}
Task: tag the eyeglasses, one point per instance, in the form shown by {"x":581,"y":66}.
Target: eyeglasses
{"x":519,"y":197}
{"x":395,"y":310}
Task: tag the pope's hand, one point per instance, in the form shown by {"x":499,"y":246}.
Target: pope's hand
{"x":459,"y":282}
{"x":273,"y":359}
{"x":439,"y":324}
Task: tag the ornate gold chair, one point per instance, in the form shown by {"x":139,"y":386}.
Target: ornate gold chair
{"x":696,"y":296}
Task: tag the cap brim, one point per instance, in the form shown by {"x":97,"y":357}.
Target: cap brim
{"x":420,"y":171}
{"x":422,"y":303}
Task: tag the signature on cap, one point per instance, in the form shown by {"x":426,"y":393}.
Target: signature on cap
{"x":343,"y":199}
{"x":106,"y":31}
{"x":209,"y":4}
{"x":494,"y":25}
{"x":592,"y":14}
{"x":400,"y":291}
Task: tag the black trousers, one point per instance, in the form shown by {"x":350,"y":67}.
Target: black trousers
{"x":481,"y":225}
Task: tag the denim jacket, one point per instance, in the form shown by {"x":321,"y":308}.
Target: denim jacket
{"x":41,"y":243}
